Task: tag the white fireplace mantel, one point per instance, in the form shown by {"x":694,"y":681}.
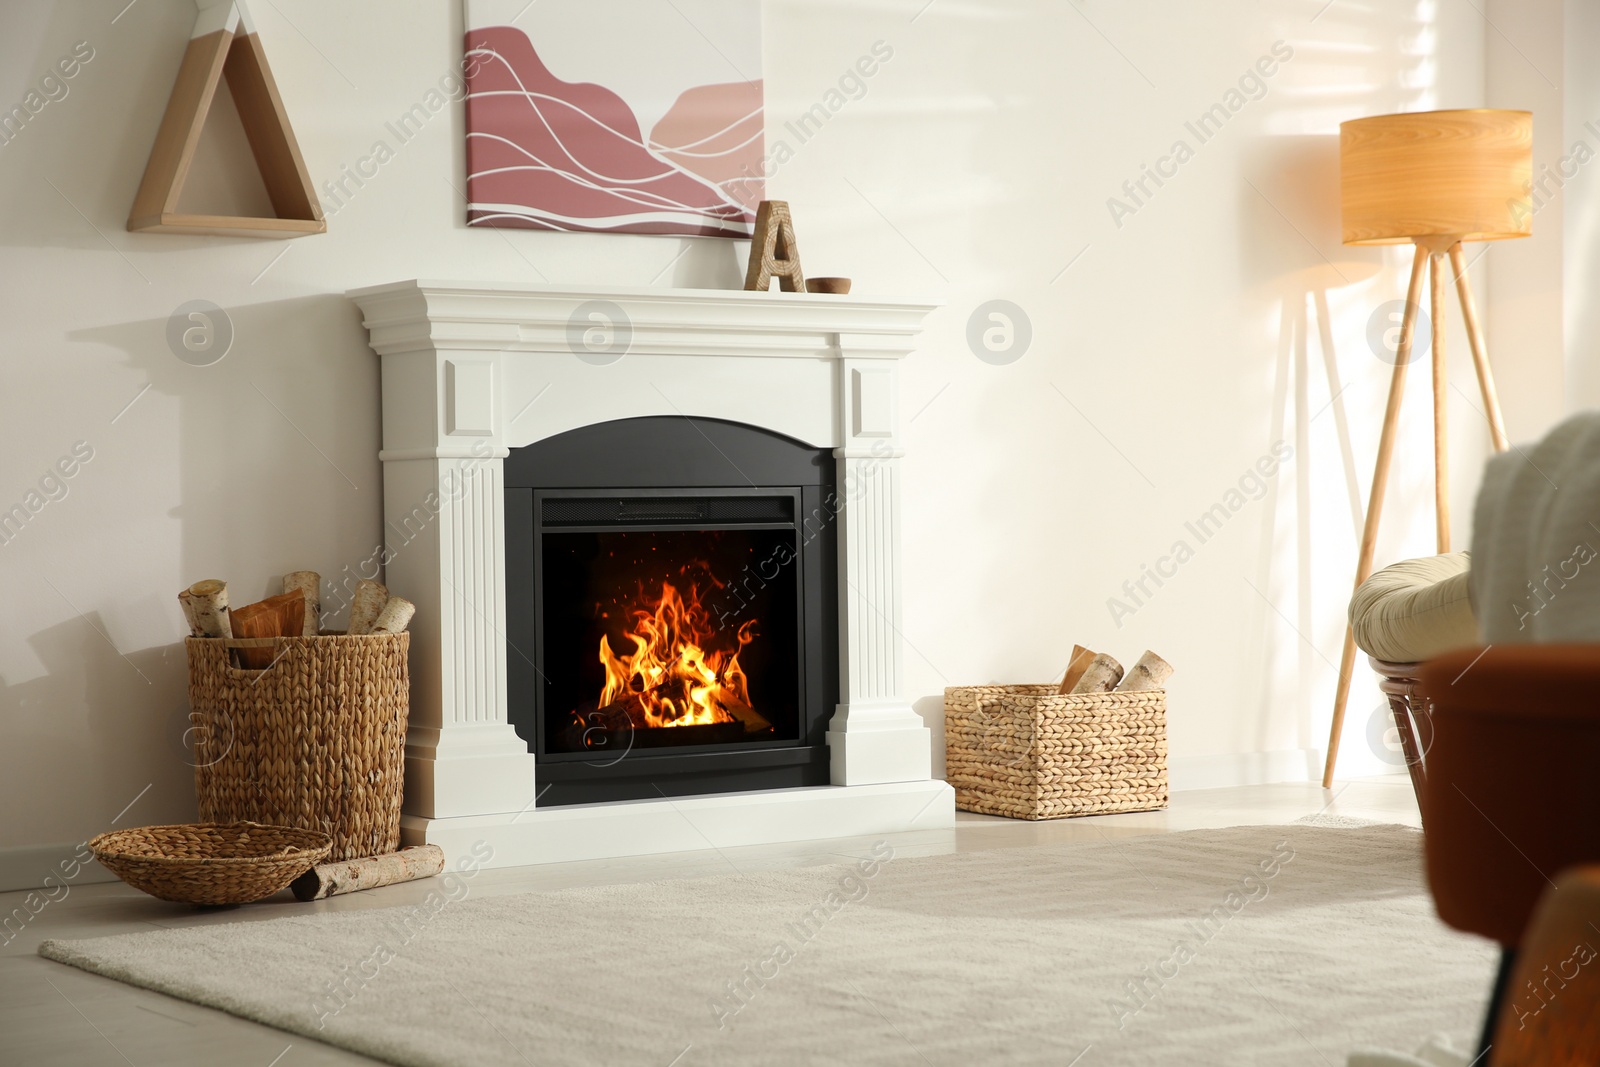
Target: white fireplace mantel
{"x":472,"y":370}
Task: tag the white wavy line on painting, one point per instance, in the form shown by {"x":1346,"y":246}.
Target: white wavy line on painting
{"x":519,"y":211}
{"x":756,"y":114}
{"x":629,"y":195}
{"x":700,"y":230}
{"x":553,"y":135}
{"x":620,"y":191}
{"x":579,"y":179}
{"x":665,"y":150}
{"x":636,"y":216}
{"x":530,"y":94}
{"x":529,"y":153}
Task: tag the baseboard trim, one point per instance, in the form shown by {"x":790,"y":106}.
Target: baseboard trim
{"x":27,"y":866}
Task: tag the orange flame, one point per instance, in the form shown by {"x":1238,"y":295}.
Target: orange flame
{"x":677,"y":678}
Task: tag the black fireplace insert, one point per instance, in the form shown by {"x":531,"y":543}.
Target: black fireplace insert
{"x":672,"y":609}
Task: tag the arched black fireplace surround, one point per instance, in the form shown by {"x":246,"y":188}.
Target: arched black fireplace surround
{"x":672,"y":609}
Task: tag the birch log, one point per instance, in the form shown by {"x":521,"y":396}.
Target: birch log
{"x":1081,"y":658}
{"x":350,"y":876}
{"x":209,"y":600}
{"x":395,"y":616}
{"x":186,"y":602}
{"x":308,"y":583}
{"x":366,"y":606}
{"x":1151,"y":672}
{"x":1101,"y":676}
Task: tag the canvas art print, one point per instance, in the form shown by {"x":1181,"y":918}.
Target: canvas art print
{"x":614,"y":116}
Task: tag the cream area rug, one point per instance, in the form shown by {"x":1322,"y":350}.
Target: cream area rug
{"x":1252,"y":945}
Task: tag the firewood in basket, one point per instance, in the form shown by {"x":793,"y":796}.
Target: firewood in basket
{"x":371,"y":872}
{"x":310,"y":585}
{"x":395,"y":616}
{"x":186,"y":602}
{"x":1081,"y":658}
{"x":276,"y":616}
{"x":1151,"y":672}
{"x":206,"y":605}
{"x":1101,"y":676}
{"x":366,"y":606}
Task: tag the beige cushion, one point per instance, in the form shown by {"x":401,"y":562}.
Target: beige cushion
{"x":1415,"y":609}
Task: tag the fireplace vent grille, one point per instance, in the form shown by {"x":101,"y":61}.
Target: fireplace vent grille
{"x":641,"y":511}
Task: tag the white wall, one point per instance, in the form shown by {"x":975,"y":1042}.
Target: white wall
{"x":1172,"y":353}
{"x":1525,"y":68}
{"x":1580,"y":198}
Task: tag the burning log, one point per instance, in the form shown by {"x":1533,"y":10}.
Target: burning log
{"x":595,"y":729}
{"x":1101,"y":676}
{"x":1151,"y":672}
{"x":351,"y":876}
{"x":684,"y":670}
{"x":309,"y":584}
{"x":626,"y":714}
{"x":754,"y":722}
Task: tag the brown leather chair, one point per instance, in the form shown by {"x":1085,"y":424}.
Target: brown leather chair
{"x":1512,"y":789}
{"x":1551,"y":1013}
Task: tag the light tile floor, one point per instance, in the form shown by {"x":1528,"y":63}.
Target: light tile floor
{"x":54,"y":1015}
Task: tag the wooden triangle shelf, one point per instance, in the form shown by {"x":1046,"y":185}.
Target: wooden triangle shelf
{"x":225,"y":42}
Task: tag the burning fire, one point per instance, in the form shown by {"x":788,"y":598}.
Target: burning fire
{"x":672,"y":677}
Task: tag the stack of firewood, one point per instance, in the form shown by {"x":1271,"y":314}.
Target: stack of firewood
{"x":296,"y":612}
{"x":1096,"y":672}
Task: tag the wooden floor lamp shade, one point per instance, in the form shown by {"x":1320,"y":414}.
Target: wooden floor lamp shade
{"x":225,"y":42}
{"x":1435,"y":179}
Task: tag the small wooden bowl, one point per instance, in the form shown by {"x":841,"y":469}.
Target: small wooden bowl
{"x":832,"y":286}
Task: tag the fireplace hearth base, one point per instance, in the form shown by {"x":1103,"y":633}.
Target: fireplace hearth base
{"x":690,"y":824}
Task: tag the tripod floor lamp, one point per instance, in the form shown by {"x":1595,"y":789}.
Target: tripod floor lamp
{"x":1435,"y":179}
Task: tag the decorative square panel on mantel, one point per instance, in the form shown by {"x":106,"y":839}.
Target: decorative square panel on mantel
{"x":473,"y":370}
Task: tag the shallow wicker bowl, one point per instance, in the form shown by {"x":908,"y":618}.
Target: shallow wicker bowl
{"x":210,"y":863}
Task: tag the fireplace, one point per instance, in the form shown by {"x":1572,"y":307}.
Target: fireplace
{"x":668,"y":633}
{"x":548,"y":511}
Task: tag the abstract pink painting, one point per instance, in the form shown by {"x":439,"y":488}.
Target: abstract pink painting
{"x":614,"y":116}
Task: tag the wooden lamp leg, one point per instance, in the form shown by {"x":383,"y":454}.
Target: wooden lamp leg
{"x":1441,"y":407}
{"x":1480,"y":355}
{"x":1380,"y":483}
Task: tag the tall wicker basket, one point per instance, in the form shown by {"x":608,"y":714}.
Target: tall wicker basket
{"x":1024,"y":752}
{"x":316,"y":741}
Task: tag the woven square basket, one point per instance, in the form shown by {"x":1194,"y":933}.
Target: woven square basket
{"x":1024,"y":752}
